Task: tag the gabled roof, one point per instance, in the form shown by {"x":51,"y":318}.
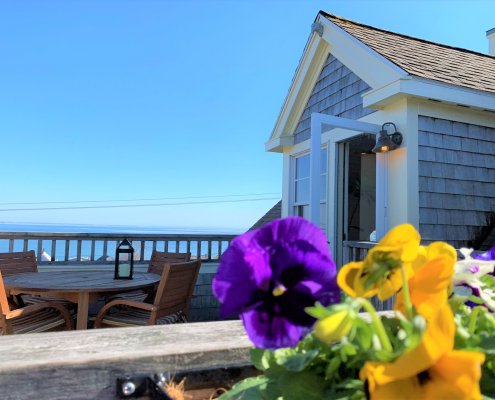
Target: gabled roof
{"x":425,"y":59}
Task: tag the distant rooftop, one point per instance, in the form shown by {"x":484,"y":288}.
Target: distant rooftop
{"x":425,"y":59}
{"x":274,"y":213}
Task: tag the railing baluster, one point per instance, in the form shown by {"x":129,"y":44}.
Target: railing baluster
{"x":40,"y":249}
{"x":165,"y":247}
{"x":92,"y":256}
{"x":209,"y":251}
{"x":219,"y":249}
{"x":54,"y":250}
{"x":177,"y":246}
{"x":198,"y":253}
{"x":67,"y":248}
{"x":25,"y":245}
{"x":78,"y":254}
{"x":143,"y":244}
{"x":11,"y":245}
{"x":105,"y":249}
{"x":188,"y":246}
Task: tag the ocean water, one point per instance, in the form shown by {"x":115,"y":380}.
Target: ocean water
{"x":111,"y":246}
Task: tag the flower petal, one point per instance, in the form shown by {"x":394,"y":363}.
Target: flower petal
{"x":461,"y":372}
{"x":243,"y":271}
{"x":437,"y":340}
{"x":271,"y":332}
{"x":349,"y":280}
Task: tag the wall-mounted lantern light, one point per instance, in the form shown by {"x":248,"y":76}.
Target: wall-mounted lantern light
{"x":387,"y":142}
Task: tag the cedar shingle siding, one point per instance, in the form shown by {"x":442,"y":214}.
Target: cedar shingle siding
{"x":337,"y":92}
{"x":456,"y":180}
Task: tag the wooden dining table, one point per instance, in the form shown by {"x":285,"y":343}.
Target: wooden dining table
{"x":79,"y":287}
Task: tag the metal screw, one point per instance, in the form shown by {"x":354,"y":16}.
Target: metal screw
{"x":128,"y":388}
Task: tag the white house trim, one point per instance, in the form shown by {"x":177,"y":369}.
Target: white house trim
{"x":372,"y":67}
{"x":279,"y":144}
{"x":353,"y":128}
{"x":308,"y":70}
{"x":429,"y":89}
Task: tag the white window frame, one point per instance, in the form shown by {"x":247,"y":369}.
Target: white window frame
{"x":293,"y":204}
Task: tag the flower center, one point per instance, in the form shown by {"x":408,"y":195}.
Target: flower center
{"x":279,"y":290}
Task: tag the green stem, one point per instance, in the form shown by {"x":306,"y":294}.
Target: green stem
{"x":473,"y":319}
{"x":406,"y":294}
{"x":375,"y":321}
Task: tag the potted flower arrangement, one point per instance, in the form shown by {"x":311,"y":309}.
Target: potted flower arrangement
{"x":318,"y":336}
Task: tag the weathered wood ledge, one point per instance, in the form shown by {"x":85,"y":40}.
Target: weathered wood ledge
{"x":86,"y":364}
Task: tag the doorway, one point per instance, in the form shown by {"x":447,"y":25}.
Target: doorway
{"x":356,"y":191}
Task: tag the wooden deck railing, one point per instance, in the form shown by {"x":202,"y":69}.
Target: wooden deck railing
{"x":99,"y":248}
{"x":355,"y":250}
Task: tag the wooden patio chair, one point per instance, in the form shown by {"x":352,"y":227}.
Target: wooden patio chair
{"x":39,"y":317}
{"x":157,"y":262}
{"x":170,"y":305}
{"x":22,"y":262}
{"x":18,"y":262}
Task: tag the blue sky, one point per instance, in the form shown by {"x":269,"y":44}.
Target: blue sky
{"x":172,"y":100}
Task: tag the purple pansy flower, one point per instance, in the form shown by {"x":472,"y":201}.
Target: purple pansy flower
{"x":270,"y":275}
{"x":486,"y":256}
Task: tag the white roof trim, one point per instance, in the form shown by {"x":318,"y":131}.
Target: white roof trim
{"x":429,"y":89}
{"x":279,"y":144}
{"x":367,"y":63}
{"x":370,"y":66}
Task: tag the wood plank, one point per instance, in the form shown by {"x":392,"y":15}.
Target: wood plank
{"x":86,"y":364}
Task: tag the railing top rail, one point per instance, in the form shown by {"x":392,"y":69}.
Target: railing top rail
{"x":359,"y":244}
{"x":140,"y":236}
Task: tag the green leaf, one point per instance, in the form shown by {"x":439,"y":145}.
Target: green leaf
{"x":257,"y":358}
{"x":302,"y":385}
{"x":249,"y":389}
{"x":293,"y":361}
{"x":318,"y":311}
{"x":332,"y":367}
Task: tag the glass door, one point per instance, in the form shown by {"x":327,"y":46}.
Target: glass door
{"x":356,"y":191}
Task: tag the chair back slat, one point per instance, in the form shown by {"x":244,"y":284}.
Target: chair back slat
{"x":176,"y":288}
{"x":159,"y":258}
{"x":18,"y":262}
{"x":4,"y":304}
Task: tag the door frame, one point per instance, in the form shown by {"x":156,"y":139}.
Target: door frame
{"x":349,"y":128}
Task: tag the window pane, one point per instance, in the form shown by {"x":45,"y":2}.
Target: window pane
{"x":323,"y":216}
{"x":323,"y":161}
{"x":302,"y":211}
{"x":323,"y":187}
{"x":302,"y":167}
{"x":302,"y":191}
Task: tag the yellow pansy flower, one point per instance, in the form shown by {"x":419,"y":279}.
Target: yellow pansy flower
{"x":432,"y":370}
{"x":429,"y":285}
{"x":349,"y":280}
{"x":380,"y":272}
{"x":455,"y":376}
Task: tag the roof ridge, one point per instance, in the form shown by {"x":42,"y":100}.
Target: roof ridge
{"x":328,"y":15}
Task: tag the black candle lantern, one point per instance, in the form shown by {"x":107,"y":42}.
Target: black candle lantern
{"x":124,"y":260}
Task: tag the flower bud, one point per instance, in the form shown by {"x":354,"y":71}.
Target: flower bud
{"x":334,"y":327}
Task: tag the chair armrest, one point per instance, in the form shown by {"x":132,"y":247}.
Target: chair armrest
{"x":40,"y":306}
{"x":121,"y":302}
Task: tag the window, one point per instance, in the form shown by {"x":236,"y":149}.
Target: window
{"x":301,"y":187}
